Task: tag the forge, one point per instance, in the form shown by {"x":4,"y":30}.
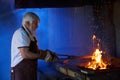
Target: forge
{"x":74,"y":70}
{"x":96,"y":66}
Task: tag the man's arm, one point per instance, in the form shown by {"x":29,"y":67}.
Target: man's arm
{"x":43,"y":54}
{"x":26,"y":54}
{"x":46,"y":55}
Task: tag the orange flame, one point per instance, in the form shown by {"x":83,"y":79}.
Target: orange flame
{"x":97,"y":62}
{"x":93,"y":37}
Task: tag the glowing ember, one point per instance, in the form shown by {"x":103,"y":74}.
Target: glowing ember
{"x":93,"y":37}
{"x":96,"y":62}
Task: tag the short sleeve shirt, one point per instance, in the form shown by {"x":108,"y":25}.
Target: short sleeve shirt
{"x":19,"y":39}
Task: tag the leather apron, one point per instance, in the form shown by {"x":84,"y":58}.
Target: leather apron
{"x":27,"y":68}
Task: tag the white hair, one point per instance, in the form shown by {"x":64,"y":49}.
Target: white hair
{"x":30,"y":17}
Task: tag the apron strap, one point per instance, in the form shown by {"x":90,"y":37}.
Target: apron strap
{"x":26,"y":32}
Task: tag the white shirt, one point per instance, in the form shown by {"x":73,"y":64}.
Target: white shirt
{"x":19,"y":39}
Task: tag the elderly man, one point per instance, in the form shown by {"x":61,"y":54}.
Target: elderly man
{"x":24,"y":50}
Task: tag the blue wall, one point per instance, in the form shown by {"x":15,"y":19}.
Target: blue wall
{"x":70,"y":30}
{"x":62,"y":30}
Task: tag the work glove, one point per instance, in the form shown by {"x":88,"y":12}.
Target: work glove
{"x":51,"y":56}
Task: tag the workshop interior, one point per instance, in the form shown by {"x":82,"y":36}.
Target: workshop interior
{"x":83,"y":33}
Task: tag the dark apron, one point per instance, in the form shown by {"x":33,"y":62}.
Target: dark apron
{"x":27,"y":68}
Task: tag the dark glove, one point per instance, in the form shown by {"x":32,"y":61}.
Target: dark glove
{"x":51,"y":56}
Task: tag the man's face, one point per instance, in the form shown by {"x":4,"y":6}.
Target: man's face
{"x":34,"y":25}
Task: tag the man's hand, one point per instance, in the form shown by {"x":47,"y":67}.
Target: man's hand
{"x":51,"y":56}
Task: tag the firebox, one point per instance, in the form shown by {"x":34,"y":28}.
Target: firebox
{"x":96,"y":66}
{"x":73,"y":68}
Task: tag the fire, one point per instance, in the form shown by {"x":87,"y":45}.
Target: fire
{"x":96,"y":59}
{"x":97,"y":62}
{"x":93,"y":37}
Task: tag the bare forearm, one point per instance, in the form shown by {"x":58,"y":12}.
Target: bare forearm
{"x":26,"y":54}
{"x":41,"y":54}
{"x":31,"y":55}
